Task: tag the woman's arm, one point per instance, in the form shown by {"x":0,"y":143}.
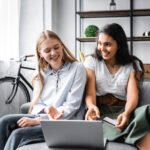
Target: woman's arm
{"x":92,"y":112}
{"x":131,"y":103}
{"x":90,"y":88}
{"x":132,"y":95}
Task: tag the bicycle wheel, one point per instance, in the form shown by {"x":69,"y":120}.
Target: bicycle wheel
{"x":22,"y":96}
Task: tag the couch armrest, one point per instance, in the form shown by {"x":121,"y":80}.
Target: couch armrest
{"x":25,"y":108}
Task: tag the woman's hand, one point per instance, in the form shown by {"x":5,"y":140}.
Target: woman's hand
{"x":26,"y":122}
{"x":53,"y":113}
{"x":92,"y":113}
{"x":122,"y":121}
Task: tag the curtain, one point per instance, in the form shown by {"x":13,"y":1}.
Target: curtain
{"x":9,"y":29}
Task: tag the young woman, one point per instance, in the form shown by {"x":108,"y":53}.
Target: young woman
{"x":58,"y":89}
{"x":113,"y":78}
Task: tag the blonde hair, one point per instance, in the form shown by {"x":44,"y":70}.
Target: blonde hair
{"x":42,"y":64}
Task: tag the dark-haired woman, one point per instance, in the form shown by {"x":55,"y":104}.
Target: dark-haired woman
{"x":113,"y":79}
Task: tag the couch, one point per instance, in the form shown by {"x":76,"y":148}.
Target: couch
{"x":144,"y":99}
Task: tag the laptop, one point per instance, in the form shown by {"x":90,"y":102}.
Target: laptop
{"x":73,"y":133}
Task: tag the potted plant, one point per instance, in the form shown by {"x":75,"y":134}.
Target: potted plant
{"x":91,"y":31}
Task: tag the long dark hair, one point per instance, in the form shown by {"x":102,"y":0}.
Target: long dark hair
{"x":123,"y":56}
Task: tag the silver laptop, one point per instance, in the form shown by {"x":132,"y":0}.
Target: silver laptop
{"x":73,"y":133}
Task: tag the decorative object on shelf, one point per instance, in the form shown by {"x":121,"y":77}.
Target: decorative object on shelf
{"x":91,"y":31}
{"x":112,"y":5}
{"x":82,"y":56}
{"x":146,"y":33}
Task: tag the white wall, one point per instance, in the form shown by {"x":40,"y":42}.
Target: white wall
{"x":63,"y":21}
{"x":35,"y":16}
{"x":59,"y":15}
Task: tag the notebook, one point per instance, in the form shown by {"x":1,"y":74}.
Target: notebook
{"x":73,"y":133}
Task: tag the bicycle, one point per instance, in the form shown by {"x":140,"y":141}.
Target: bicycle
{"x":17,"y":92}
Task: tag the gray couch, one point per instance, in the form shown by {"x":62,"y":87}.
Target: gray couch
{"x":144,"y":99}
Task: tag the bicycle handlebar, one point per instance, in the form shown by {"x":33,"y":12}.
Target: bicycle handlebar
{"x":24,"y":58}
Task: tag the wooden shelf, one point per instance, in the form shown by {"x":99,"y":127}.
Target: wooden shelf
{"x":87,"y":39}
{"x":93,"y":39}
{"x":115,"y":13}
{"x":141,"y":12}
{"x":141,"y":38}
{"x":97,"y":14}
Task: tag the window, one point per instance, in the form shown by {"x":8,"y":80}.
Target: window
{"x":9,"y":29}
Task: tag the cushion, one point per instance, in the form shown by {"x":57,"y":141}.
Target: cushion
{"x":145,"y":93}
{"x":109,"y":146}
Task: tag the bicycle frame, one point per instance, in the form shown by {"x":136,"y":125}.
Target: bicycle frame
{"x":17,"y":80}
{"x":24,"y":79}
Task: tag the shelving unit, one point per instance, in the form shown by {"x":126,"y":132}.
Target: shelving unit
{"x":131,"y":13}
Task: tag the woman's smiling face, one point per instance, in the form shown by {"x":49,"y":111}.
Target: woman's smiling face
{"x":52,"y":51}
{"x":107,"y":46}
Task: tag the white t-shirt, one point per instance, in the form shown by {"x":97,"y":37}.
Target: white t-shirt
{"x":105,"y":81}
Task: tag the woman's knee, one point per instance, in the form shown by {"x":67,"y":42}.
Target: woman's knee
{"x":4,"y":120}
{"x":11,"y":118}
{"x":9,"y":121}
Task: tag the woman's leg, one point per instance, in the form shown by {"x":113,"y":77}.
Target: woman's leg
{"x":24,"y":136}
{"x":144,"y":143}
{"x":7,"y":124}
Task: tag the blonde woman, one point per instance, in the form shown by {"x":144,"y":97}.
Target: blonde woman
{"x":58,"y":89}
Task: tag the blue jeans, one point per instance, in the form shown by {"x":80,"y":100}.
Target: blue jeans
{"x":12,"y":136}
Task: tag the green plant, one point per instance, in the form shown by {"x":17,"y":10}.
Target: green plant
{"x":91,"y":31}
